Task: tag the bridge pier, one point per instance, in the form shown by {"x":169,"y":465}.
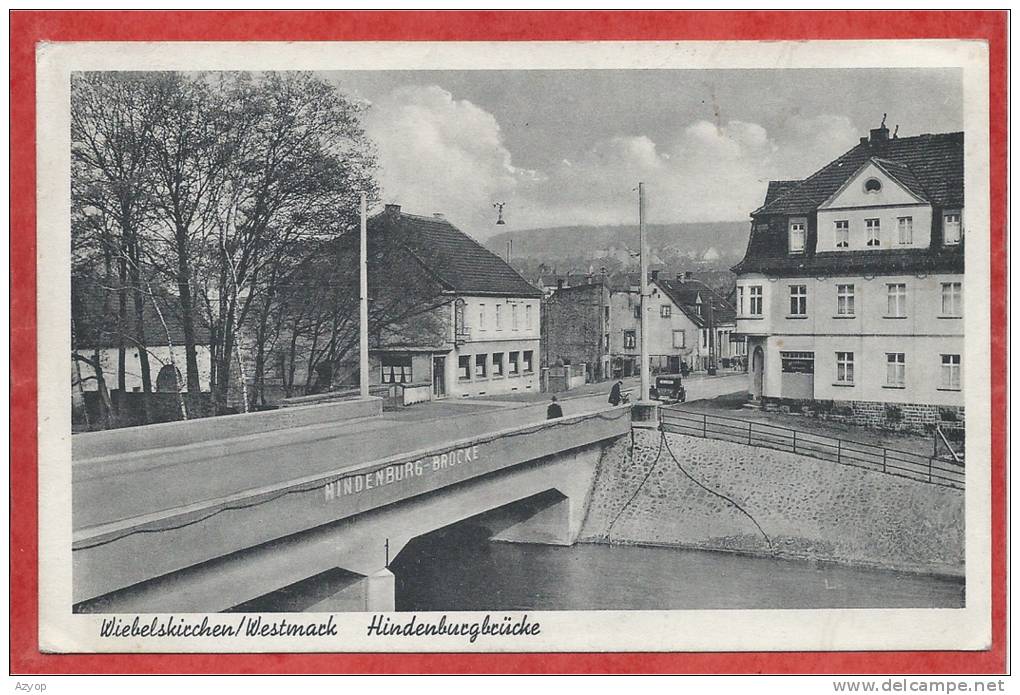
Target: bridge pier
{"x":374,"y":593}
{"x":550,"y":525}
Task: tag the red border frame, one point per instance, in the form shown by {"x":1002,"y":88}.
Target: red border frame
{"x":28,"y":28}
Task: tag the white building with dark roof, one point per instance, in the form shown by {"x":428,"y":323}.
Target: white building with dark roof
{"x":489,"y":336}
{"x":850,"y":293}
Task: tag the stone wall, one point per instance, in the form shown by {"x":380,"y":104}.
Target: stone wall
{"x":921,"y":418}
{"x":810,"y":509}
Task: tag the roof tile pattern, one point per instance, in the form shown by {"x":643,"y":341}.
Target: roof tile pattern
{"x":685,"y":295}
{"x":459,"y":262}
{"x":935,"y":160}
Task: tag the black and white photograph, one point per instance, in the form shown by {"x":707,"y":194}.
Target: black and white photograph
{"x":509,"y":350}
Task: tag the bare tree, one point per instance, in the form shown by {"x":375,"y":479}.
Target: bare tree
{"x":112,"y":117}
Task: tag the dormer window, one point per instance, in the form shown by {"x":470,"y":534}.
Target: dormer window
{"x":952,"y":228}
{"x":872,"y":186}
{"x":798,"y":235}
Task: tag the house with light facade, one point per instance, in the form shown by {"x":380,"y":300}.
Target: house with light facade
{"x":851,"y":291}
{"x":687,"y":322}
{"x":483,"y":336}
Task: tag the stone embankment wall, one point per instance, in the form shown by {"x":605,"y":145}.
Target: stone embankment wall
{"x":921,"y":418}
{"x":810,"y":509}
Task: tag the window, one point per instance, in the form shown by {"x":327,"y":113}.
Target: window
{"x":605,"y":343}
{"x":797,"y":236}
{"x":497,"y":364}
{"x":756,"y":300}
{"x":950,"y":373}
{"x":798,"y":362}
{"x":951,"y":228}
{"x":895,"y":369}
{"x":845,"y":368}
{"x":513,"y":364}
{"x":480,"y":366}
{"x":665,"y":311}
{"x":844,"y":300}
{"x":458,"y":316}
{"x":527,"y":361}
{"x":952,"y":299}
{"x":637,"y":312}
{"x":629,"y":340}
{"x":798,"y":300}
{"x":872,"y":186}
{"x":464,"y":367}
{"x":396,"y":369}
{"x":527,"y":316}
{"x":873,"y":228}
{"x":481,"y":317}
{"x":896,"y":300}
{"x":499,"y":317}
{"x":679,"y":338}
{"x":704,"y":338}
{"x":740,"y":301}
{"x":842,"y":234}
{"x":606,"y":312}
{"x":905,"y":230}
{"x":513,"y":316}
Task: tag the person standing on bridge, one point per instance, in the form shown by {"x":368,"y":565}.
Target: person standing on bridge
{"x":614,"y":394}
{"x":554,"y":410}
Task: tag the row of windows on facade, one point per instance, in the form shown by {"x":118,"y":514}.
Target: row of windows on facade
{"x":517,"y":363}
{"x":396,"y":369}
{"x":665,"y":311}
{"x":895,"y":374}
{"x":846,"y":300}
{"x":679,"y":338}
{"x":952,"y":232}
{"x":514,"y":325}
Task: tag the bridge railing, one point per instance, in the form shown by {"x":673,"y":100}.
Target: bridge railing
{"x":904,"y":464}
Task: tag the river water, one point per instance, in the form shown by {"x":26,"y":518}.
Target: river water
{"x":459,"y":569}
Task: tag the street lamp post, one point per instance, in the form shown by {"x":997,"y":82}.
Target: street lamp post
{"x":645,"y":382}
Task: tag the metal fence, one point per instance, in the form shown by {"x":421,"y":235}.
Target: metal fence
{"x":904,"y":464}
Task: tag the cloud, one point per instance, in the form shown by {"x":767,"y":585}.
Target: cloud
{"x":441,"y":154}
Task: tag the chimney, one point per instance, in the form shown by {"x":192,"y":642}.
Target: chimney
{"x":437,"y":215}
{"x":879,"y":134}
{"x":655,"y":275}
{"x":392,"y":210}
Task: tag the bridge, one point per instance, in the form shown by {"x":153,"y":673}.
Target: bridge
{"x":206,"y":515}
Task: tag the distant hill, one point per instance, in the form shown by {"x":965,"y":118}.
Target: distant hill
{"x":705,"y":244}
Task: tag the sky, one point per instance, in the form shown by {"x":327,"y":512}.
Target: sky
{"x":568,"y":147}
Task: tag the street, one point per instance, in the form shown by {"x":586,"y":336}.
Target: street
{"x":172,"y":480}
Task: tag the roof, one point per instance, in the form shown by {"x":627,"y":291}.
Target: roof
{"x":929,"y":164}
{"x":860,"y":262}
{"x":778,"y":188}
{"x":458,"y":262}
{"x":685,"y":295}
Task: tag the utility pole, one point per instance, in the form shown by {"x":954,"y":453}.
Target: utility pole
{"x":645,"y":382}
{"x":363,"y":277}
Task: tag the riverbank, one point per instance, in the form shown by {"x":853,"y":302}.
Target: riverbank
{"x":685,"y":492}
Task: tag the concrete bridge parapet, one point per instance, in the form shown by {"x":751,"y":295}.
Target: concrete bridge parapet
{"x":215,"y":554}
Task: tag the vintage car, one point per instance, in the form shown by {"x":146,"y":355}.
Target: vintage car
{"x":668,"y":388}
